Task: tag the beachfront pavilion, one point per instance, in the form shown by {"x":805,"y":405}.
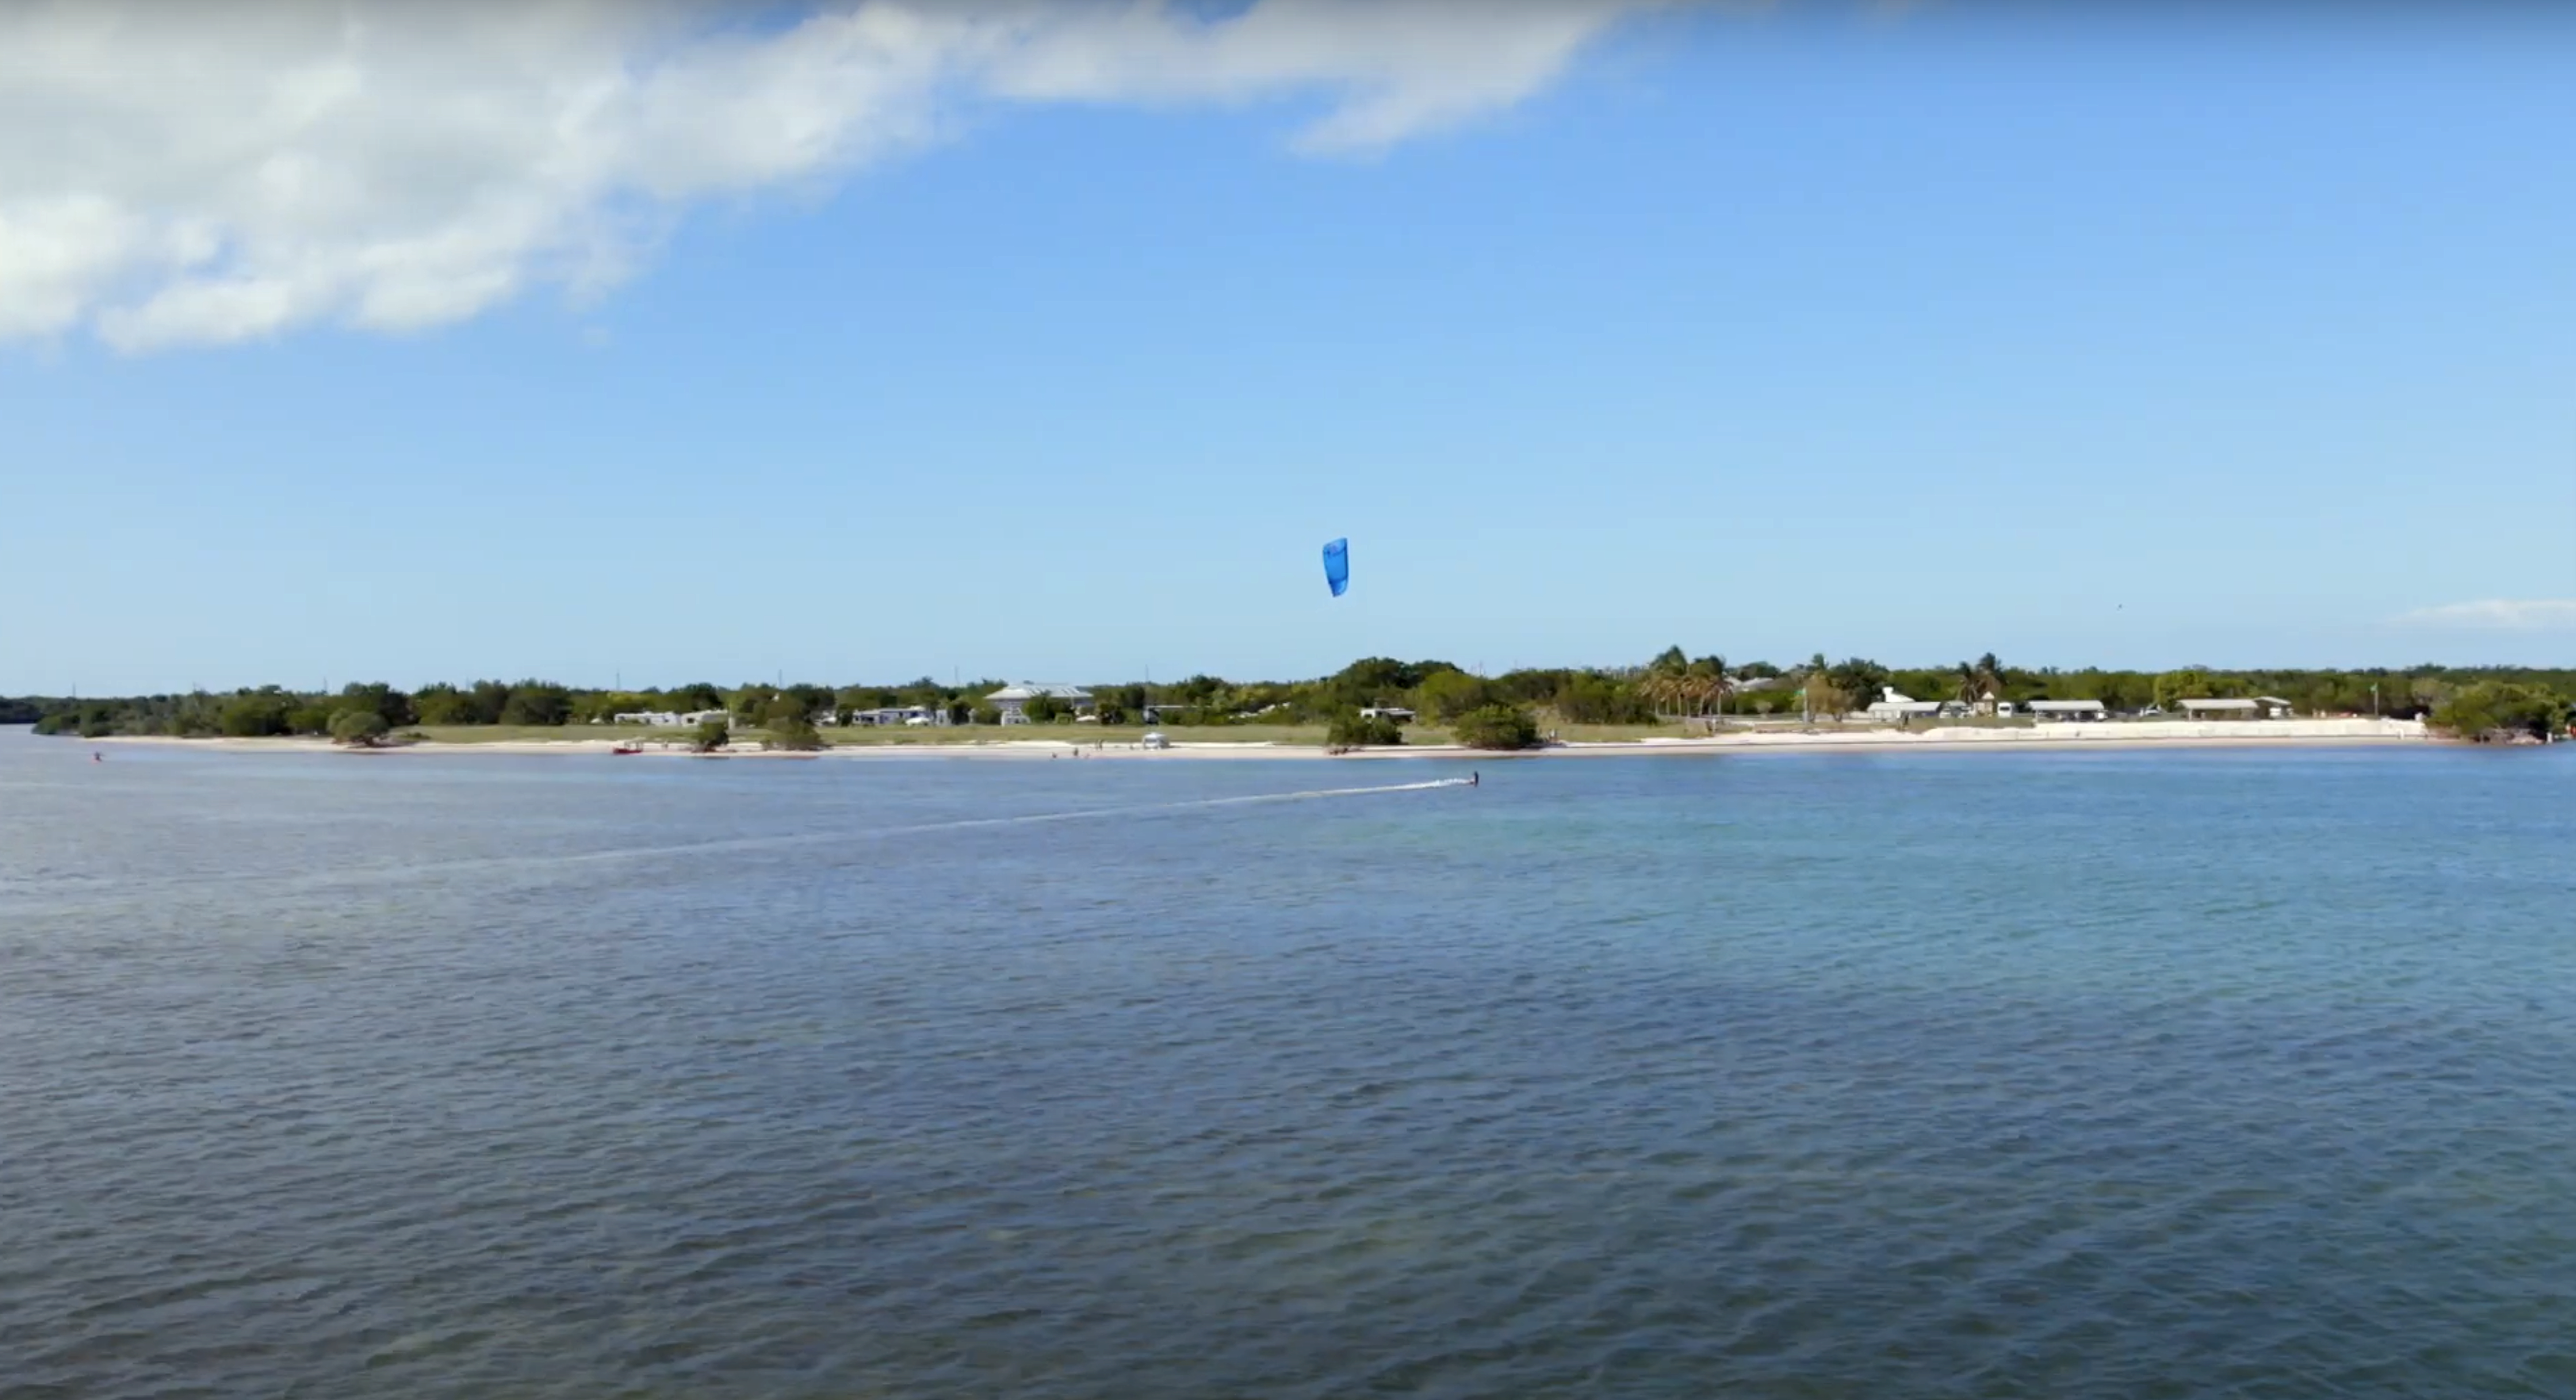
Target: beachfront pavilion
{"x":2260,"y":707}
{"x":2046,"y":710}
{"x":1013,"y":700}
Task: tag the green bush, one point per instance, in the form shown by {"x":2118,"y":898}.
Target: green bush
{"x":984,"y":714}
{"x":793,"y":731}
{"x":2493,"y":710}
{"x":1044,"y":709}
{"x":97,"y":728}
{"x":1497,"y":727}
{"x":255,"y":716}
{"x":710,"y":736}
{"x":359,"y":729}
{"x":1445,"y":695}
{"x":1350,"y":730}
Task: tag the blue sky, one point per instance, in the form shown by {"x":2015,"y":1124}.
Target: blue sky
{"x":1904,"y":333}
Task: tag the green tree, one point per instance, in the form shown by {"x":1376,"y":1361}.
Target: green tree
{"x":984,"y":714}
{"x":1351,"y":729}
{"x":1584,"y":698}
{"x":790,"y":729}
{"x":1823,"y":697}
{"x":710,"y":735}
{"x":1044,"y":709}
{"x":1497,"y":727}
{"x":1858,"y":678}
{"x":697,"y":695}
{"x":443,"y":704}
{"x":2192,"y":683}
{"x":536,"y":703}
{"x":359,"y":729}
{"x":395,"y":706}
{"x":254,"y":715}
{"x":2491,"y":711}
{"x":1445,"y":695}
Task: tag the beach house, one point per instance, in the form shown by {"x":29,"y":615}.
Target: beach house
{"x":1013,"y":700}
{"x":2046,"y":710}
{"x":915,"y":715}
{"x":2260,"y":707}
{"x":666,"y":719}
{"x":1896,"y":707}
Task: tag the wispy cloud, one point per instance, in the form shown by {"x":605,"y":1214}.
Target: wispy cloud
{"x":198,"y":174}
{"x":2499,"y":614}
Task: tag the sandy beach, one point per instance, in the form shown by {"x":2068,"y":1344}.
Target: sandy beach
{"x":2146,"y":734}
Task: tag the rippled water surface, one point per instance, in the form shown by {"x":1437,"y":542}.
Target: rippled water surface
{"x":2227,"y":1072}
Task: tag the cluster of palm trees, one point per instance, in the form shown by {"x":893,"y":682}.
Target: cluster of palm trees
{"x":1981,"y":681}
{"x":1677,"y":684}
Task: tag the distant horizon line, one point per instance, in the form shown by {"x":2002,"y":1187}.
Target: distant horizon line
{"x":957,"y":683}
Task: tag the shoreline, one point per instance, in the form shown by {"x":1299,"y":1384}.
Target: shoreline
{"x":2314,"y":733}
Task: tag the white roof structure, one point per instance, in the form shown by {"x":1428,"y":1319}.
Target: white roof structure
{"x":1030,"y":690}
{"x":2223,"y":704}
{"x":1899,"y":705}
{"x":2065,"y":707}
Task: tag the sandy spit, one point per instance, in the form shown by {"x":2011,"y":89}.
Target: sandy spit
{"x":2310,"y":733}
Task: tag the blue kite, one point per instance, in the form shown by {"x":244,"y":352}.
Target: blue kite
{"x":1337,"y":566}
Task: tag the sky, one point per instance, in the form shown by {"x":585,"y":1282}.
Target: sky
{"x":647,"y":343}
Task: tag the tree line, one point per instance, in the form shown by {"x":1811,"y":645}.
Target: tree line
{"x":1671,"y":686}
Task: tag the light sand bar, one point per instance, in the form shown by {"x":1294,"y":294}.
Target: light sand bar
{"x":2295,"y":733}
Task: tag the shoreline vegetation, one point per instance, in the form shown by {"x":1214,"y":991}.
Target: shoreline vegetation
{"x":1673,"y":703}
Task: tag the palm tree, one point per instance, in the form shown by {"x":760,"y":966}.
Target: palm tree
{"x":1708,"y":683}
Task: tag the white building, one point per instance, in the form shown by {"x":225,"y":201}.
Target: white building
{"x":1013,"y":700}
{"x":664,"y":719}
{"x":915,"y":715}
{"x":1397,"y":713}
{"x":1896,"y":707}
{"x":2045,"y":710}
{"x":2260,"y":707}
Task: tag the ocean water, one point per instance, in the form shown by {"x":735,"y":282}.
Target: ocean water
{"x":2124,"y":1074}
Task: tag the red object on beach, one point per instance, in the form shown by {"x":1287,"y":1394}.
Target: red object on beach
{"x":622,"y":750}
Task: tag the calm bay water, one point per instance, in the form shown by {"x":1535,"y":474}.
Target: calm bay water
{"x":2229,"y":1072}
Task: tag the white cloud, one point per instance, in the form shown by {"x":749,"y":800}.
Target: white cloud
{"x":190,"y":174}
{"x":2501,"y":614}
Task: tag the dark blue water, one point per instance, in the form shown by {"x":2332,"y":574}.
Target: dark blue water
{"x":2215,"y":1073}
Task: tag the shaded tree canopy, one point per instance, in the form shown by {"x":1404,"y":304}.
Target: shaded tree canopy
{"x":1671,"y":683}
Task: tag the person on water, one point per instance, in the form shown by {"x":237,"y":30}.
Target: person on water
{"x":1474,"y":778}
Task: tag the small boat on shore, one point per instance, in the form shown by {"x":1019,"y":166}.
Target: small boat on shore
{"x":627,"y":747}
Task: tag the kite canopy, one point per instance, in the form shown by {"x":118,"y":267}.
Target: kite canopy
{"x":1337,"y":566}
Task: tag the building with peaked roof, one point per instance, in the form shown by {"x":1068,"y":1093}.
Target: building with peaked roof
{"x":1896,"y":706}
{"x":1013,"y":700}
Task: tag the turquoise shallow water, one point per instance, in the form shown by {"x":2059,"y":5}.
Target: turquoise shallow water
{"x":2215,"y":1073}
